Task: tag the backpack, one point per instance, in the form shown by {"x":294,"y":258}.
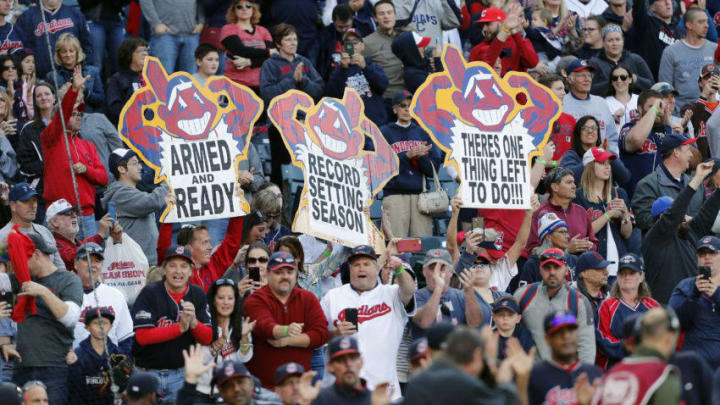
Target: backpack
{"x":530,"y":293}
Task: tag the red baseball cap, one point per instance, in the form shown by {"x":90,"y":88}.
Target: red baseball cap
{"x":552,"y":255}
{"x":492,"y":14}
{"x":597,"y":154}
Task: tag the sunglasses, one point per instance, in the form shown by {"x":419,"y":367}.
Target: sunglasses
{"x":240,"y":6}
{"x":253,"y":260}
{"x":283,"y":260}
{"x":552,"y":255}
{"x":619,"y":77}
{"x":225,"y":281}
{"x":8,"y":67}
{"x":272,"y":216}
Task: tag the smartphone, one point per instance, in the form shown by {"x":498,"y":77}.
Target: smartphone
{"x":409,"y":245}
{"x":112,"y":210}
{"x":478,"y":223}
{"x":705,"y":272}
{"x":351,"y":315}
{"x":254,"y":273}
{"x":349,"y":48}
{"x":9,"y":298}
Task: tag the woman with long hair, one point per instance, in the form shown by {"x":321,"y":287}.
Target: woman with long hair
{"x":25,"y":62}
{"x":256,"y":256}
{"x":628,"y":296}
{"x":607,"y":206}
{"x":621,"y":98}
{"x":8,"y":158}
{"x":232,"y":332}
{"x":68,"y":54}
{"x":269,"y":200}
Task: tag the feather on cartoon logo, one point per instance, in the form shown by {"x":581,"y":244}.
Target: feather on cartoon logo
{"x":489,"y":127}
{"x":194,"y":137}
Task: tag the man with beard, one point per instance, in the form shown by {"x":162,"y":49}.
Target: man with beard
{"x":669,"y":246}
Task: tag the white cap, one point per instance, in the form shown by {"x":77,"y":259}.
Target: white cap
{"x":60,"y":206}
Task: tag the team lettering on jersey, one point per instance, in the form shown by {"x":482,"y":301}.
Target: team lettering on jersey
{"x":560,"y":396}
{"x":419,"y":20}
{"x":54,"y":26}
{"x":165,"y":321}
{"x":367,"y":313}
{"x":648,"y":147}
{"x":666,"y":37}
{"x":404,"y":146}
{"x":594,"y":214}
{"x":9,"y":45}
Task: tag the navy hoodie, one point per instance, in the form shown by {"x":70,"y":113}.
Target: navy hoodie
{"x":276,"y":77}
{"x":417,"y":68}
{"x":63,"y":19}
{"x":412,"y":172}
{"x":370,"y":83}
{"x":120,"y":88}
{"x":10,"y":38}
{"x":86,"y":384}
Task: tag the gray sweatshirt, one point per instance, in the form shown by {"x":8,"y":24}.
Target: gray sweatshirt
{"x":680,"y":66}
{"x":598,"y":109}
{"x":97,"y":129}
{"x":713,"y":133}
{"x":378,"y":49}
{"x":431,"y":16}
{"x":136,"y":214}
{"x":180,"y":15}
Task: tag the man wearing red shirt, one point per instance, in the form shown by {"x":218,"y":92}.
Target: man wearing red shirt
{"x":290,"y":321}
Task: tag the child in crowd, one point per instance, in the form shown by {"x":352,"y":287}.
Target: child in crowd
{"x":547,"y":45}
{"x":506,"y":317}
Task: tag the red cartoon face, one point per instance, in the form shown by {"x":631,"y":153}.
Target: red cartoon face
{"x":188,"y":113}
{"x":333,"y":128}
{"x":484,"y":103}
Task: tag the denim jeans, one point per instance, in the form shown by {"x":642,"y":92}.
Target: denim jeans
{"x":216,"y":229}
{"x":54,"y":378}
{"x":317,"y":363}
{"x":170,"y":382}
{"x":88,"y":226}
{"x":106,"y":36}
{"x":176,"y":52}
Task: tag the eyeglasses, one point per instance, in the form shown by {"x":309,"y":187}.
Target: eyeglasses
{"x":562,"y":231}
{"x":552,"y":255}
{"x":619,"y":77}
{"x":590,"y":128}
{"x":283,"y":260}
{"x":225,"y":281}
{"x":240,"y":6}
{"x":33,"y":383}
{"x":78,"y":114}
{"x":253,"y":260}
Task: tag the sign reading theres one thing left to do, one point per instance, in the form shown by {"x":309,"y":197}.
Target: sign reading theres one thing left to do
{"x":488,"y":127}
{"x":194,"y":137}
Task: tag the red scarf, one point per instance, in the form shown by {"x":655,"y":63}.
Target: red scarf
{"x":20,"y":249}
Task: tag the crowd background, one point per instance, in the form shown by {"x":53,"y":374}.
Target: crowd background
{"x":610,"y":280}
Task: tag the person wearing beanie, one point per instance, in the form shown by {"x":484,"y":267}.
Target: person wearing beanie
{"x":554,"y":234}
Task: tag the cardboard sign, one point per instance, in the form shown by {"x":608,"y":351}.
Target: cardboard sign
{"x":193,"y":136}
{"x":340,"y":177}
{"x":488,"y":127}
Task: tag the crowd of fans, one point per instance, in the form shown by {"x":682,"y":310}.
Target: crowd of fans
{"x":605,"y":291}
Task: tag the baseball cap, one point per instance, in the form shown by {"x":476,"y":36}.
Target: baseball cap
{"x":280,"y":260}
{"x":178,"y":251}
{"x":492,"y":14}
{"x":631,"y":327}
{"x":352,"y":32}
{"x":552,"y":255}
{"x":437,"y":256}
{"x":437,"y":333}
{"x":5,"y":257}
{"x":227,"y":370}
{"x":664,"y":88}
{"x":556,"y":320}
{"x":660,"y":205}
{"x":142,"y":383}
{"x":631,"y":261}
{"x":362,"y":250}
{"x":484,"y":256}
{"x":590,"y":260}
{"x":95,"y":312}
{"x":673,"y":141}
{"x":287,"y":370}
{"x":342,"y":345}
{"x":578,"y":65}
{"x":41,"y":244}
{"x":419,"y":349}
{"x":400,"y":97}
{"x":10,"y":394}
{"x":597,"y":154}
{"x":708,"y":70}
{"x":420,"y":41}
{"x":508,"y":303}
{"x":91,"y":248}
{"x":709,"y":242}
{"x":118,"y":155}
{"x":59,"y":207}
{"x":548,"y":223}
{"x":21,"y":192}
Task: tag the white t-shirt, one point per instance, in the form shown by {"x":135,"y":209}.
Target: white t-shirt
{"x":381,"y":320}
{"x":502,"y":273}
{"x":631,"y":112}
{"x":122,"y":327}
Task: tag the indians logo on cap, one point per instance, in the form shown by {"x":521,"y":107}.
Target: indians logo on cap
{"x":627,"y":259}
{"x":229,"y":369}
{"x":422,"y":347}
{"x":597,"y":256}
{"x":292,"y":368}
{"x":436,"y":253}
{"x":180,"y":250}
{"x":706,"y":240}
{"x":345,"y":344}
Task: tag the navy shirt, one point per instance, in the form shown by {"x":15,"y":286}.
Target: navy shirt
{"x":644,"y":161}
{"x":452,"y":308}
{"x":552,"y":384}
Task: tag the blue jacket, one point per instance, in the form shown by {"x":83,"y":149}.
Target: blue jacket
{"x":10,"y":38}
{"x":120,"y":88}
{"x":370,"y":83}
{"x":86,"y":384}
{"x":697,"y":384}
{"x":94,"y":93}
{"x":700,"y":319}
{"x":276,"y":77}
{"x":329,"y":54}
{"x":609,"y":335}
{"x":417,"y":68}
{"x":595,"y":211}
{"x":64,"y":19}
{"x":522,"y":335}
{"x":412,"y":172}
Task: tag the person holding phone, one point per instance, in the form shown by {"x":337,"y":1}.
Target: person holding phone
{"x":697,"y":303}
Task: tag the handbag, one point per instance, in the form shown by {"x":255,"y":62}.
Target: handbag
{"x":435,"y":201}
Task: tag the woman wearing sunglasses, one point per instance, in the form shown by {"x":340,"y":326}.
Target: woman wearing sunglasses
{"x":254,"y":265}
{"x":232,"y":331}
{"x":268,"y":199}
{"x":621,"y":99}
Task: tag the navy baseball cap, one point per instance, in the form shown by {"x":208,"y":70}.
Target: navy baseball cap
{"x":709,"y":242}
{"x":96,"y":312}
{"x":556,"y":320}
{"x":41,"y":244}
{"x":21,"y":192}
{"x":10,"y":394}
{"x":673,"y":141}
{"x":578,"y":65}
{"x":631,"y":327}
{"x":228,"y":370}
{"x":631,"y":261}
{"x":286,"y":371}
{"x":591,"y":260}
{"x":5,"y":257}
{"x":507,"y":303}
{"x":362,"y":250}
{"x":178,"y":251}
{"x":89,"y":248}
{"x":118,"y":155}
{"x":437,"y":333}
{"x":419,"y":349}
{"x":142,"y":383}
{"x":400,"y":97}
{"x":342,"y":345}
{"x":660,"y":205}
{"x":280,"y":260}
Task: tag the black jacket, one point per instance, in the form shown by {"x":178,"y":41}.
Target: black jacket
{"x":339,"y":394}
{"x":119,"y":89}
